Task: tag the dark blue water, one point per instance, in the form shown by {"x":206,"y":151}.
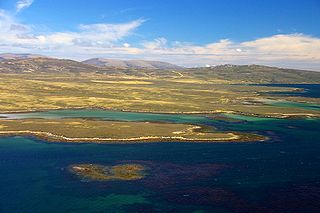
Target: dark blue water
{"x":280,"y":175}
{"x":309,"y":90}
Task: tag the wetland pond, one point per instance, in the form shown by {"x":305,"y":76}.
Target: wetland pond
{"x":279,"y":175}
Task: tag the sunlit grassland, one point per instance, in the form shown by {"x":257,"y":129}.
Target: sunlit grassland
{"x":78,"y":130}
{"x":188,"y":94}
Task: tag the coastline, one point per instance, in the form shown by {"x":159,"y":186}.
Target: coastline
{"x":231,"y":137}
{"x":47,"y":136}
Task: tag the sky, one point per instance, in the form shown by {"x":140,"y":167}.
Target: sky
{"x":283,"y":33}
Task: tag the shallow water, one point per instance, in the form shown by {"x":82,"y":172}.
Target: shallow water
{"x":280,"y":175}
{"x":108,"y":115}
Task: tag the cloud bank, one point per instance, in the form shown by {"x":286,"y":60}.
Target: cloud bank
{"x":287,"y":50}
{"x":111,"y":40}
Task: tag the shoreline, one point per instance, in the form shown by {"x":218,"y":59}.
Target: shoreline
{"x":47,"y":136}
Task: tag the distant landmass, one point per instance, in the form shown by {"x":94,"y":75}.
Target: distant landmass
{"x":8,"y":56}
{"x":127,"y":64}
{"x":30,"y":63}
{"x":256,"y":74}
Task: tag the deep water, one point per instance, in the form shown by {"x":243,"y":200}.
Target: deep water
{"x":309,"y":90}
{"x":280,"y":175}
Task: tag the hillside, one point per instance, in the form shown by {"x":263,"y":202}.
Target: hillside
{"x":8,"y":56}
{"x":48,"y":83}
{"x":129,"y":64}
{"x":255,"y":74}
{"x":43,"y":65}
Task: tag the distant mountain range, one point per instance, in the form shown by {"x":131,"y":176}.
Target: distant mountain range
{"x":257,"y":74}
{"x":29,"y":63}
{"x":103,"y":62}
{"x":8,"y":56}
{"x":127,"y":64}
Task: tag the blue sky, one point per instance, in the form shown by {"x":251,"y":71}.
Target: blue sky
{"x":191,"y":33}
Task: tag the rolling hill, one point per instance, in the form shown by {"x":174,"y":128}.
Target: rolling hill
{"x":256,"y":74}
{"x":129,"y":64}
{"x":8,"y":56}
{"x":43,"y":65}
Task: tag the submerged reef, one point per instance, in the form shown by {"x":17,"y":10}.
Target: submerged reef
{"x":97,"y":172}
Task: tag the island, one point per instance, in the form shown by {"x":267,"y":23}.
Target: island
{"x":101,"y":131}
{"x":97,"y":172}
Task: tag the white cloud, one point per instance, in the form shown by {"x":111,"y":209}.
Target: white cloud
{"x":126,"y":45}
{"x":286,"y":50}
{"x":22,"y":4}
{"x":158,"y":43}
{"x":105,"y":33}
{"x":292,"y":46}
{"x":102,"y":35}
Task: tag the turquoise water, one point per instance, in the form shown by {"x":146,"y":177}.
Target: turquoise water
{"x":280,"y":175}
{"x":109,"y":115}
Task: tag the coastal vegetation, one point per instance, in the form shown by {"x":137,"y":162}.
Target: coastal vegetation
{"x":82,"y":130}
